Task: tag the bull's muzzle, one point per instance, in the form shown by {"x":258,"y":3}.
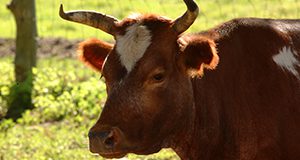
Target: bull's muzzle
{"x":107,"y":142}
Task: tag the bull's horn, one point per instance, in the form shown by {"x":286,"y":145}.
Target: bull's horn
{"x":182,"y":23}
{"x":91,"y":18}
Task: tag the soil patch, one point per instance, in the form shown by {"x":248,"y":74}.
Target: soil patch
{"x":47,"y":47}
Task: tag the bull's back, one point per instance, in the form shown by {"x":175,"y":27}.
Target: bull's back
{"x":258,"y":84}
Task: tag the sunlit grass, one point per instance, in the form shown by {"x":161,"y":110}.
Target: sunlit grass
{"x":57,"y":141}
{"x":212,"y":13}
{"x":68,"y":97}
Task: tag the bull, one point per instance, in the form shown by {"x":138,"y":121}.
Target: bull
{"x":245,"y":106}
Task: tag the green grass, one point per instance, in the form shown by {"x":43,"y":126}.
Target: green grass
{"x":56,"y":141}
{"x":212,"y":13}
{"x":68,"y":97}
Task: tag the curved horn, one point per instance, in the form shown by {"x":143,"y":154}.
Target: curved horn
{"x":182,"y":23}
{"x":98,"y":20}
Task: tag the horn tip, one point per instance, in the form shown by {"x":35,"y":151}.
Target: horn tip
{"x":61,"y":8}
{"x":191,"y":5}
{"x":62,"y":12}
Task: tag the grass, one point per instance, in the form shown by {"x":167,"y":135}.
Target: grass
{"x":212,"y":13}
{"x":56,"y":141}
{"x":68,"y":98}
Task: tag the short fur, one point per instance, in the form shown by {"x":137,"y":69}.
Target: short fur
{"x":132,"y":46}
{"x":199,"y":53}
{"x":248,"y":108}
{"x":93,"y":52}
{"x":286,"y":59}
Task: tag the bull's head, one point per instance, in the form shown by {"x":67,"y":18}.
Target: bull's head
{"x":147,"y":73}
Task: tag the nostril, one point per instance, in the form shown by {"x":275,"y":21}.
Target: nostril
{"x":106,"y":139}
{"x":109,"y":142}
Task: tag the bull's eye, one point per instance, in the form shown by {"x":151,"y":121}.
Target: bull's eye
{"x":158,"y":77}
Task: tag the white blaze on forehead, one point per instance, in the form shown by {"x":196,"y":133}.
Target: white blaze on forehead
{"x":286,"y":59}
{"x":132,"y":46}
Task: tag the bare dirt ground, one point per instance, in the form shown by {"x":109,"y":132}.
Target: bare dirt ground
{"x":47,"y":47}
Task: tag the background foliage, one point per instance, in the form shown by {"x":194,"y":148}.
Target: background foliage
{"x":68,"y":99}
{"x":68,"y":96}
{"x":212,"y":13}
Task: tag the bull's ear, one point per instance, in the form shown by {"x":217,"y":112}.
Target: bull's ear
{"x":198,"y":53}
{"x":93,"y":52}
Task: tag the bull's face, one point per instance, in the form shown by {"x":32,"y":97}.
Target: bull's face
{"x":145,"y":89}
{"x":149,"y":91}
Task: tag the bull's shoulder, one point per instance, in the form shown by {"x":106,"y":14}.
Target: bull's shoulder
{"x":254,"y":37}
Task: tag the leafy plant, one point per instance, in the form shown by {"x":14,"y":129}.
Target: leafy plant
{"x":67,"y":98}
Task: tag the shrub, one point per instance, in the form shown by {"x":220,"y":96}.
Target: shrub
{"x":6,"y":82}
{"x":67,"y":98}
{"x":63,"y":89}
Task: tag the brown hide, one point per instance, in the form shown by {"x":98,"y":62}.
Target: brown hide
{"x":248,"y":108}
{"x":93,"y":52}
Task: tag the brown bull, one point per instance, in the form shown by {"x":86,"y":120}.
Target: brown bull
{"x":247,"y":108}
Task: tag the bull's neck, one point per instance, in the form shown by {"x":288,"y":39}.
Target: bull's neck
{"x":184,"y":141}
{"x":201,"y":136}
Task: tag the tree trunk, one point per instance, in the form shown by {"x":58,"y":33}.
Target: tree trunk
{"x":25,"y":58}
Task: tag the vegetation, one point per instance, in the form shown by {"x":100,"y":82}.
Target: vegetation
{"x":213,"y":12}
{"x":25,"y":56}
{"x":68,"y":99}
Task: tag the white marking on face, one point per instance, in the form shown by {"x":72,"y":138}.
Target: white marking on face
{"x":132,"y":46}
{"x":286,"y":59}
